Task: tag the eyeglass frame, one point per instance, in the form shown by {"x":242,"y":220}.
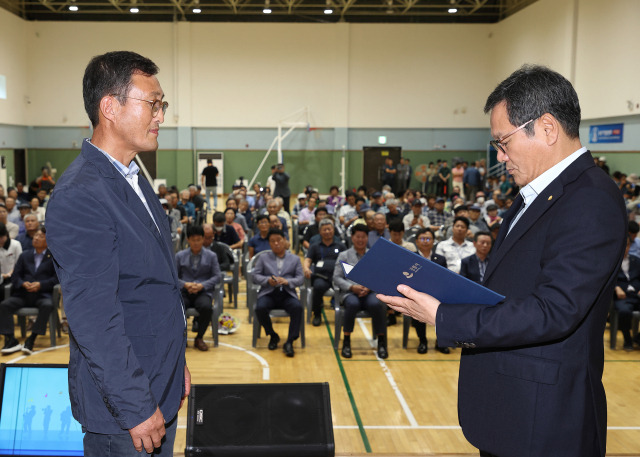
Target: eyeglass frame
{"x":497,"y":144}
{"x":162,"y":104}
{"x":424,"y":239}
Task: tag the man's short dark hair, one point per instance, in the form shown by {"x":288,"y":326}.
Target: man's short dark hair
{"x":3,"y":230}
{"x":425,"y":230}
{"x":274,"y":231}
{"x":359,"y":228}
{"x":322,"y":210}
{"x":482,"y":233}
{"x":396,"y":225}
{"x":459,"y":208}
{"x":259,"y":217}
{"x":461,"y":218}
{"x":633,"y":227}
{"x":110,"y":74}
{"x":195,"y":230}
{"x":218,"y":217}
{"x":534,"y":90}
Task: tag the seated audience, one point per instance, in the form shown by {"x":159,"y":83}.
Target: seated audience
{"x":32,"y":284}
{"x":225,"y":233}
{"x":396,"y":235}
{"x":12,"y":228}
{"x":276,"y":223}
{"x":301,"y":203}
{"x":633,"y":229}
{"x":10,"y":250}
{"x":355,"y":297}
{"x":278,"y":273}
{"x":474,"y":266}
{"x":438,"y":217}
{"x":224,"y":259}
{"x":259,"y":242}
{"x":348,"y":214}
{"x":239,"y":217}
{"x":174,"y":224}
{"x":319,"y":265}
{"x":380,"y":229}
{"x":626,"y":295}
{"x":457,"y":247}
{"x":198,"y":275}
{"x":334,"y":201}
{"x":187,"y":205}
{"x":313,"y":229}
{"x":306,"y":215}
{"x":36,"y":209}
{"x":230,"y":217}
{"x":476,"y":223}
{"x":393,"y":211}
{"x":425,"y":239}
{"x":492,"y":217}
{"x":12,"y":209}
{"x":31,"y":226}
{"x":415,"y":218}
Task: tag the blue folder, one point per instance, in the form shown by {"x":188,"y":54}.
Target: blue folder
{"x":386,"y":265}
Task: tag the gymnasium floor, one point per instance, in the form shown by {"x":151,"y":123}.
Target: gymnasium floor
{"x":402,"y":406}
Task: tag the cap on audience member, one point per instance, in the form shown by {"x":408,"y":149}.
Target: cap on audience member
{"x":24,"y":206}
{"x":364,"y":208}
{"x":632,"y":178}
{"x":164,"y":202}
{"x":475,"y":208}
{"x":602,"y":159}
{"x":417,"y":202}
{"x":439,"y":200}
{"x":492,"y":208}
{"x":301,"y":196}
{"x":376,"y":194}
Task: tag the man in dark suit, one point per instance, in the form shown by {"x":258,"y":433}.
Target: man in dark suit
{"x":111,"y":242}
{"x":198,"y":275}
{"x":474,"y":266}
{"x":278,"y":273}
{"x":530,"y":379}
{"x":626,"y":294}
{"x":32,"y":282}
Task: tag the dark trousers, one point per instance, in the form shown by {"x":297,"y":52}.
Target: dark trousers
{"x":487,"y":454}
{"x":280,"y":300}
{"x":320,"y":286}
{"x":121,"y":445}
{"x":421,"y":329}
{"x":378,"y":310}
{"x":625,"y":310}
{"x":32,"y":300}
{"x":202,"y":303}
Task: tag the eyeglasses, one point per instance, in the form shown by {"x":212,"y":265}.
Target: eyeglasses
{"x":424,"y":239}
{"x":155,"y":104}
{"x":497,"y":144}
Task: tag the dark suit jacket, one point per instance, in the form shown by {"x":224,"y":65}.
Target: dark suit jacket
{"x":531,"y":372}
{"x":25,"y":270}
{"x":266,"y":266}
{"x":121,"y":296}
{"x":470,"y":269}
{"x":208,"y":271}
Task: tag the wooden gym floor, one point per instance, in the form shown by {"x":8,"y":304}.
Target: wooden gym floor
{"x":402,"y":406}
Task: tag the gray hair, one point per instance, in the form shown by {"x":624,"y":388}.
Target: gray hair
{"x":392,"y":201}
{"x":325,"y":221}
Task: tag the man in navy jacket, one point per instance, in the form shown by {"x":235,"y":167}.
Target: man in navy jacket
{"x":111,"y":242}
{"x":530,"y":379}
{"x":32,"y":282}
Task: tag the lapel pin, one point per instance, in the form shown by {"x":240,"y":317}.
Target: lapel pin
{"x":550,"y":197}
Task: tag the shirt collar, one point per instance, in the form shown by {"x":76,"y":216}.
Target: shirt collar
{"x":535,"y":187}
{"x":125,"y":171}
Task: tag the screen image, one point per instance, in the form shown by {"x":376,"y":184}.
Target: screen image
{"x":35,"y":416}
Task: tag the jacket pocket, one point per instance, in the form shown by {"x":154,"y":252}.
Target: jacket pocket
{"x":528,"y":368}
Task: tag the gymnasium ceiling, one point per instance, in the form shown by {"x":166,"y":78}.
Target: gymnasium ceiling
{"x":354,"y":11}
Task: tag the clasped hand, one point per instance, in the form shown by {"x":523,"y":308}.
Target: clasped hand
{"x":277,"y":281}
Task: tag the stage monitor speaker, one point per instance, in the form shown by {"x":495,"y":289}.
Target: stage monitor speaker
{"x":266,"y":420}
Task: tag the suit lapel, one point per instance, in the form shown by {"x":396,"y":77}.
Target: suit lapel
{"x":543,"y":202}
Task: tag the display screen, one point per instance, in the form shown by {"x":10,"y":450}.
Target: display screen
{"x":35,"y":416}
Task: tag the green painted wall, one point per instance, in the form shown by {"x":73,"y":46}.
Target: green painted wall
{"x":318,"y":168}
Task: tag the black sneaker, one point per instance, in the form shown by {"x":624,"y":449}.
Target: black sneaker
{"x":28,"y":346}
{"x":12,"y":345}
{"x":317,"y":320}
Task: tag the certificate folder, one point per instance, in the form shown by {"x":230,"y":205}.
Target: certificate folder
{"x":386,"y":265}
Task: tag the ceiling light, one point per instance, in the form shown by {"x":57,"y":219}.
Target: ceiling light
{"x":453,"y":10}
{"x":266,"y":9}
{"x":73,"y":8}
{"x":328,"y":11}
{"x":134,"y":10}
{"x":196,"y":10}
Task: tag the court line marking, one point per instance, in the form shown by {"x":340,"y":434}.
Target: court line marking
{"x":265,"y":365}
{"x":347,"y":386}
{"x":387,"y":372}
{"x":24,"y":356}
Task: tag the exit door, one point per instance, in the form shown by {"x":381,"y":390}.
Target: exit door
{"x":374,"y":158}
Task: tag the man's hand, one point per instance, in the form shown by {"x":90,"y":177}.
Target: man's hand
{"x":187,"y":385}
{"x":422,"y":307}
{"x":307,"y":272}
{"x":620,"y":293}
{"x":148,"y":434}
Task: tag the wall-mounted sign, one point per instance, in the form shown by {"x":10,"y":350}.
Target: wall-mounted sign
{"x":606,"y":133}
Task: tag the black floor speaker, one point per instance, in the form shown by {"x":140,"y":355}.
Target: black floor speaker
{"x":266,"y":420}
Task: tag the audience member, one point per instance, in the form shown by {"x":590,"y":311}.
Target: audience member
{"x":32,"y":283}
{"x":355,"y":297}
{"x":198,"y":274}
{"x":457,"y":247}
{"x":278,"y":273}
{"x":396,"y":235}
{"x":187,"y":205}
{"x":224,"y":259}
{"x":225,"y":233}
{"x":260,"y":242}
{"x":36,"y":209}
{"x":10,"y":250}
{"x":415,"y":218}
{"x":31,"y":226}
{"x":474,"y":266}
{"x":12,"y":228}
{"x":380,"y":229}
{"x":319,"y":265}
{"x":230,"y":217}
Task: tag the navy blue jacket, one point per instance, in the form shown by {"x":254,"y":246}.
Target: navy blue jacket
{"x":531,"y":369}
{"x":121,"y":296}
{"x":25,"y":270}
